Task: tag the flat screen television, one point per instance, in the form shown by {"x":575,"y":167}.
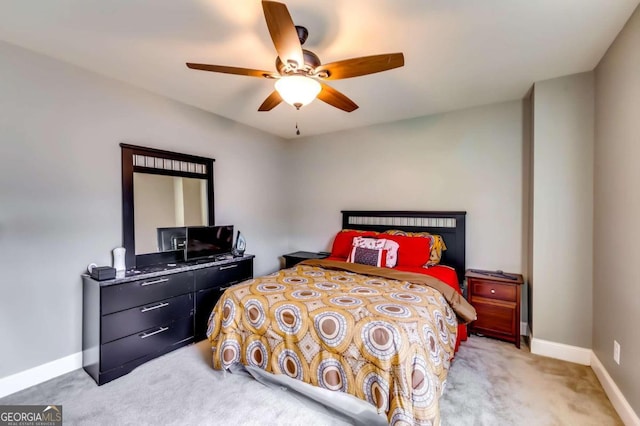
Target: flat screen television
{"x":207,"y":242}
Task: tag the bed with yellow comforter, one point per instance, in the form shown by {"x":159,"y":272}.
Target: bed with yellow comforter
{"x":385,"y":336}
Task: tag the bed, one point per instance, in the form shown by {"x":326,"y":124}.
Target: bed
{"x":384,"y":335}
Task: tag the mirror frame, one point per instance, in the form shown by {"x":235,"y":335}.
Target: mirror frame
{"x":138,"y":159}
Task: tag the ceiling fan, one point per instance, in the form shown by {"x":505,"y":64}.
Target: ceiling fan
{"x":300,"y":75}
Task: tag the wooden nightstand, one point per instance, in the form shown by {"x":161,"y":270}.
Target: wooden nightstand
{"x":497,"y":302}
{"x":292,"y":259}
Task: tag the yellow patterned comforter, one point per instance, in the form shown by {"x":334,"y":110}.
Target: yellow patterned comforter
{"x":386,"y":341}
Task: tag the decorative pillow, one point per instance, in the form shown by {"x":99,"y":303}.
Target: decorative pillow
{"x":413,"y":252}
{"x":368,"y":256}
{"x":436,"y":242}
{"x":392,"y":253}
{"x":391,"y":247}
{"x":368,"y":242}
{"x":343,"y":242}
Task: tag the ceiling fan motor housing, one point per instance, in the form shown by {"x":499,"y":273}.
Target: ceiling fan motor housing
{"x":303,"y":33}
{"x":311,"y":61}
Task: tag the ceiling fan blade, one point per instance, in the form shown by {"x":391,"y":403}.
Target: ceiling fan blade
{"x":272,"y":101}
{"x":233,"y":70}
{"x":283,"y":32}
{"x":334,"y":98}
{"x":361,"y":66}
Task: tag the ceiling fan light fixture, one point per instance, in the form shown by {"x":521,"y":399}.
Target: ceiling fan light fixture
{"x":298,"y":90}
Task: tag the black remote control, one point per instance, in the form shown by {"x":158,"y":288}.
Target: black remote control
{"x":497,"y":274}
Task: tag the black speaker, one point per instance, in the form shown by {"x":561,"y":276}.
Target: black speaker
{"x":102,"y":273}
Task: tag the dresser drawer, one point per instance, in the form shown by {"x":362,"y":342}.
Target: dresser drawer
{"x":155,"y":339}
{"x":493,"y":290}
{"x":224,"y":275}
{"x":137,"y":293}
{"x":134,"y":320}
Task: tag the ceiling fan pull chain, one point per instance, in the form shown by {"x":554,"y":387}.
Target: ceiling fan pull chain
{"x":297,"y":129}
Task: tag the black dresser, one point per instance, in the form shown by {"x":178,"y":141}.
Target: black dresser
{"x":130,"y":320}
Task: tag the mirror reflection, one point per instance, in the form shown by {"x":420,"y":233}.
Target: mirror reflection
{"x":164,"y":204}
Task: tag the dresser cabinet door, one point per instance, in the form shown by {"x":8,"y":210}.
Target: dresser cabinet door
{"x":210,"y":284}
{"x":205,"y":302}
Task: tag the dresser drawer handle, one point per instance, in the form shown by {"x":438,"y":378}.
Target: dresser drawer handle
{"x":145,"y":335}
{"x":222,"y":268}
{"x":154,"y":307}
{"x":161,"y":280}
{"x":493,"y":291}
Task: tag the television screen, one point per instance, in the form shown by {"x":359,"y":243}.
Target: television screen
{"x":208,"y":241}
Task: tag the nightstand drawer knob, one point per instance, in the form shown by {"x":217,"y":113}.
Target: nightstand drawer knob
{"x":493,"y":291}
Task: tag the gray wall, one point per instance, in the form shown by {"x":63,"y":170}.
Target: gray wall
{"x":60,"y":190}
{"x":616,"y":302}
{"x":464,"y":160}
{"x":562,"y":214}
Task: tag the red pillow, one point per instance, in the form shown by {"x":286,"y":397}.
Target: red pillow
{"x":413,"y":251}
{"x":343,"y":243}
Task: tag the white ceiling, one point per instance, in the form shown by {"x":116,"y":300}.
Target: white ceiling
{"x":458,"y":53}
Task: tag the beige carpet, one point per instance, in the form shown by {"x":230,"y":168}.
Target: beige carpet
{"x":490,"y":383}
{"x":493,"y":383}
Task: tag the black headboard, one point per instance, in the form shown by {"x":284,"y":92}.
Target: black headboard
{"x":450,"y":225}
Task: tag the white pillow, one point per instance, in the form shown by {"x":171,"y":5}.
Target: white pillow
{"x":378,"y":243}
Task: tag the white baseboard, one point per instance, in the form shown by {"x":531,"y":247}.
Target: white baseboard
{"x":620,"y":403}
{"x":39,"y":374}
{"x":524,"y":328}
{"x":561,"y":351}
{"x":586,"y":357}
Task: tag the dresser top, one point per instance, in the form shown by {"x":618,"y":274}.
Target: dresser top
{"x":162,"y":270}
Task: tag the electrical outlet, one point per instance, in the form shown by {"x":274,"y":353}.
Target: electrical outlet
{"x":616,"y":352}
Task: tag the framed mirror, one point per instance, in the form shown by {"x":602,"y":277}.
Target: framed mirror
{"x":162,"y":193}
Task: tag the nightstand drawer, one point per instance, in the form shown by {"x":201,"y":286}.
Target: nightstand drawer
{"x":136,"y":293}
{"x":493,"y":290}
{"x":494,"y":318}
